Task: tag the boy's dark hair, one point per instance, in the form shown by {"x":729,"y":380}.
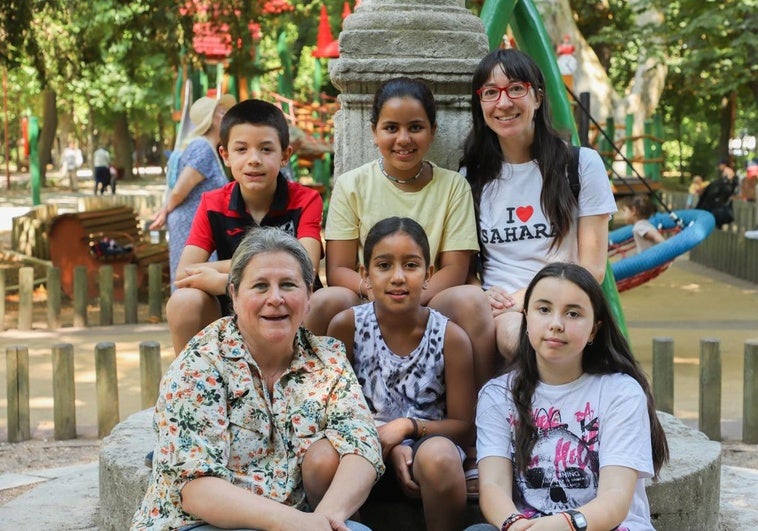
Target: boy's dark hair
{"x":641,"y":205}
{"x":404,"y":87}
{"x":393,"y":225}
{"x":255,"y":112}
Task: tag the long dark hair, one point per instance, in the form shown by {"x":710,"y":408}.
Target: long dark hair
{"x":609,"y":353}
{"x":404,"y":87}
{"x":483,"y":157}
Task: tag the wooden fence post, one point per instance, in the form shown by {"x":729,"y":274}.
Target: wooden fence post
{"x":663,"y":373}
{"x":155,"y":292}
{"x":709,"y":411}
{"x":2,"y":300}
{"x":80,"y":296}
{"x":105,"y":277}
{"x":106,"y":381}
{"x":150,"y":372}
{"x":130,"y":293}
{"x":17,"y":376}
{"x":53,"y":297}
{"x":750,"y":394}
{"x":64,"y":392}
{"x":25,"y":294}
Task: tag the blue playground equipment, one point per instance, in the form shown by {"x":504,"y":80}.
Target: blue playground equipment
{"x":690,"y":226}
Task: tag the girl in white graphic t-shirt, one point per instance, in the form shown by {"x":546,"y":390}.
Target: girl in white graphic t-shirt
{"x":527,"y":214}
{"x":566,"y":439}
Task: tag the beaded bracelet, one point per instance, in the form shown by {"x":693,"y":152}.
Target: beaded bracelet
{"x":423,"y":428}
{"x":512,"y":519}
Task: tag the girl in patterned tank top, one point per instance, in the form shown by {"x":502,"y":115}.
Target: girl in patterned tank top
{"x":416,"y":370}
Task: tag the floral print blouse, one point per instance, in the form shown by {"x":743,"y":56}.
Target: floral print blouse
{"x":215,"y":417}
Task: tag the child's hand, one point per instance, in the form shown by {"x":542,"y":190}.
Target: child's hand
{"x":202,"y":277}
{"x":401,"y":458}
{"x":500,"y":301}
{"x":393,"y":433}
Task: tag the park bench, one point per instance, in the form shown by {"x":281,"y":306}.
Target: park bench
{"x":109,"y":236}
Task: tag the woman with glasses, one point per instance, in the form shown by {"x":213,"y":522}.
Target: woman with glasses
{"x":527,"y":214}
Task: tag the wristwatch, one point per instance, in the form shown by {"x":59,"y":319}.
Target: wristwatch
{"x":577,"y":520}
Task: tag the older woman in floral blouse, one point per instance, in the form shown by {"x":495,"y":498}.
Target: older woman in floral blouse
{"x":259,"y":422}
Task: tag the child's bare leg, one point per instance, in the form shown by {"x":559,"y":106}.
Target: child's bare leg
{"x":320,"y":463}
{"x":188,"y":311}
{"x":469,"y":308}
{"x":325,"y":304}
{"x":508,"y":327}
{"x":438,"y":471}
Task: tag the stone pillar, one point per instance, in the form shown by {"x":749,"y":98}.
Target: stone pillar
{"x":439,"y":41}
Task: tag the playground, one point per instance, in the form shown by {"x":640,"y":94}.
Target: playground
{"x":662,"y":297}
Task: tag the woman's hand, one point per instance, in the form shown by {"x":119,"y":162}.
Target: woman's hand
{"x":299,"y":520}
{"x":500,"y":300}
{"x":159,"y":221}
{"x":393,"y":433}
{"x":401,"y":459}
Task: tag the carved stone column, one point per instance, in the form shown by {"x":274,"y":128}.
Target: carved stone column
{"x":439,"y":41}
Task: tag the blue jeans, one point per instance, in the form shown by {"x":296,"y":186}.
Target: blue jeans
{"x":481,"y":527}
{"x":354,"y":526}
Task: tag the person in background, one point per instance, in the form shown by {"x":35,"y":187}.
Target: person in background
{"x":255,"y":146}
{"x":199,"y":170}
{"x":72,"y":161}
{"x":566,"y":439}
{"x":694,"y":191}
{"x":417,"y":373}
{"x":749,"y":182}
{"x":261,"y":425}
{"x":636,"y":210}
{"x":517,"y":165}
{"x":101,"y":160}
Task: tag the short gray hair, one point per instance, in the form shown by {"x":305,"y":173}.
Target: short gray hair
{"x":260,"y":240}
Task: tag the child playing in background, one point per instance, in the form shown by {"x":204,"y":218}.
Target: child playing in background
{"x":694,"y":191}
{"x":416,"y":370}
{"x":637,"y":209}
{"x":570,"y":434}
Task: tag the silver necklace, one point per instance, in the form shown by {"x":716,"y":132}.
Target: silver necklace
{"x":395,"y":179}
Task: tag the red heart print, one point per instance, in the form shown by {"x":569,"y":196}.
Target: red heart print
{"x":524,"y":213}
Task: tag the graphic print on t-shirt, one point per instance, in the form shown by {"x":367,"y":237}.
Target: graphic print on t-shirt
{"x":516,"y":224}
{"x":563,"y":471}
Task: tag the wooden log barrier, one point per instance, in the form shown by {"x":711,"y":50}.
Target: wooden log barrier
{"x":25,"y":294}
{"x":105,"y":274}
{"x":17,"y":376}
{"x":130,"y":293}
{"x":80,"y":296}
{"x":709,"y":410}
{"x":2,"y":300}
{"x":150,"y":372}
{"x":53,"y":298}
{"x":155,"y":292}
{"x":663,"y":373}
{"x":750,"y":394}
{"x":106,"y":382}
{"x":64,"y":392}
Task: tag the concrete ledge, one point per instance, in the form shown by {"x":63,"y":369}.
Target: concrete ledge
{"x":685,"y":497}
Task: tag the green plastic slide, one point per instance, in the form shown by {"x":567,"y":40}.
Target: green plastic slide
{"x":530,"y":34}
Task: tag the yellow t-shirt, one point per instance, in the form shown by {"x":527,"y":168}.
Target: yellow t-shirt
{"x":444,"y":208}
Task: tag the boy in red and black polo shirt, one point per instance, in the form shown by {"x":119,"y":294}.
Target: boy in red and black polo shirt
{"x":255,"y":146}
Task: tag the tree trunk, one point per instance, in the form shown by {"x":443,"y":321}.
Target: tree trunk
{"x":123,"y":147}
{"x":727,"y":112}
{"x":590,"y":76}
{"x":47,"y":131}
